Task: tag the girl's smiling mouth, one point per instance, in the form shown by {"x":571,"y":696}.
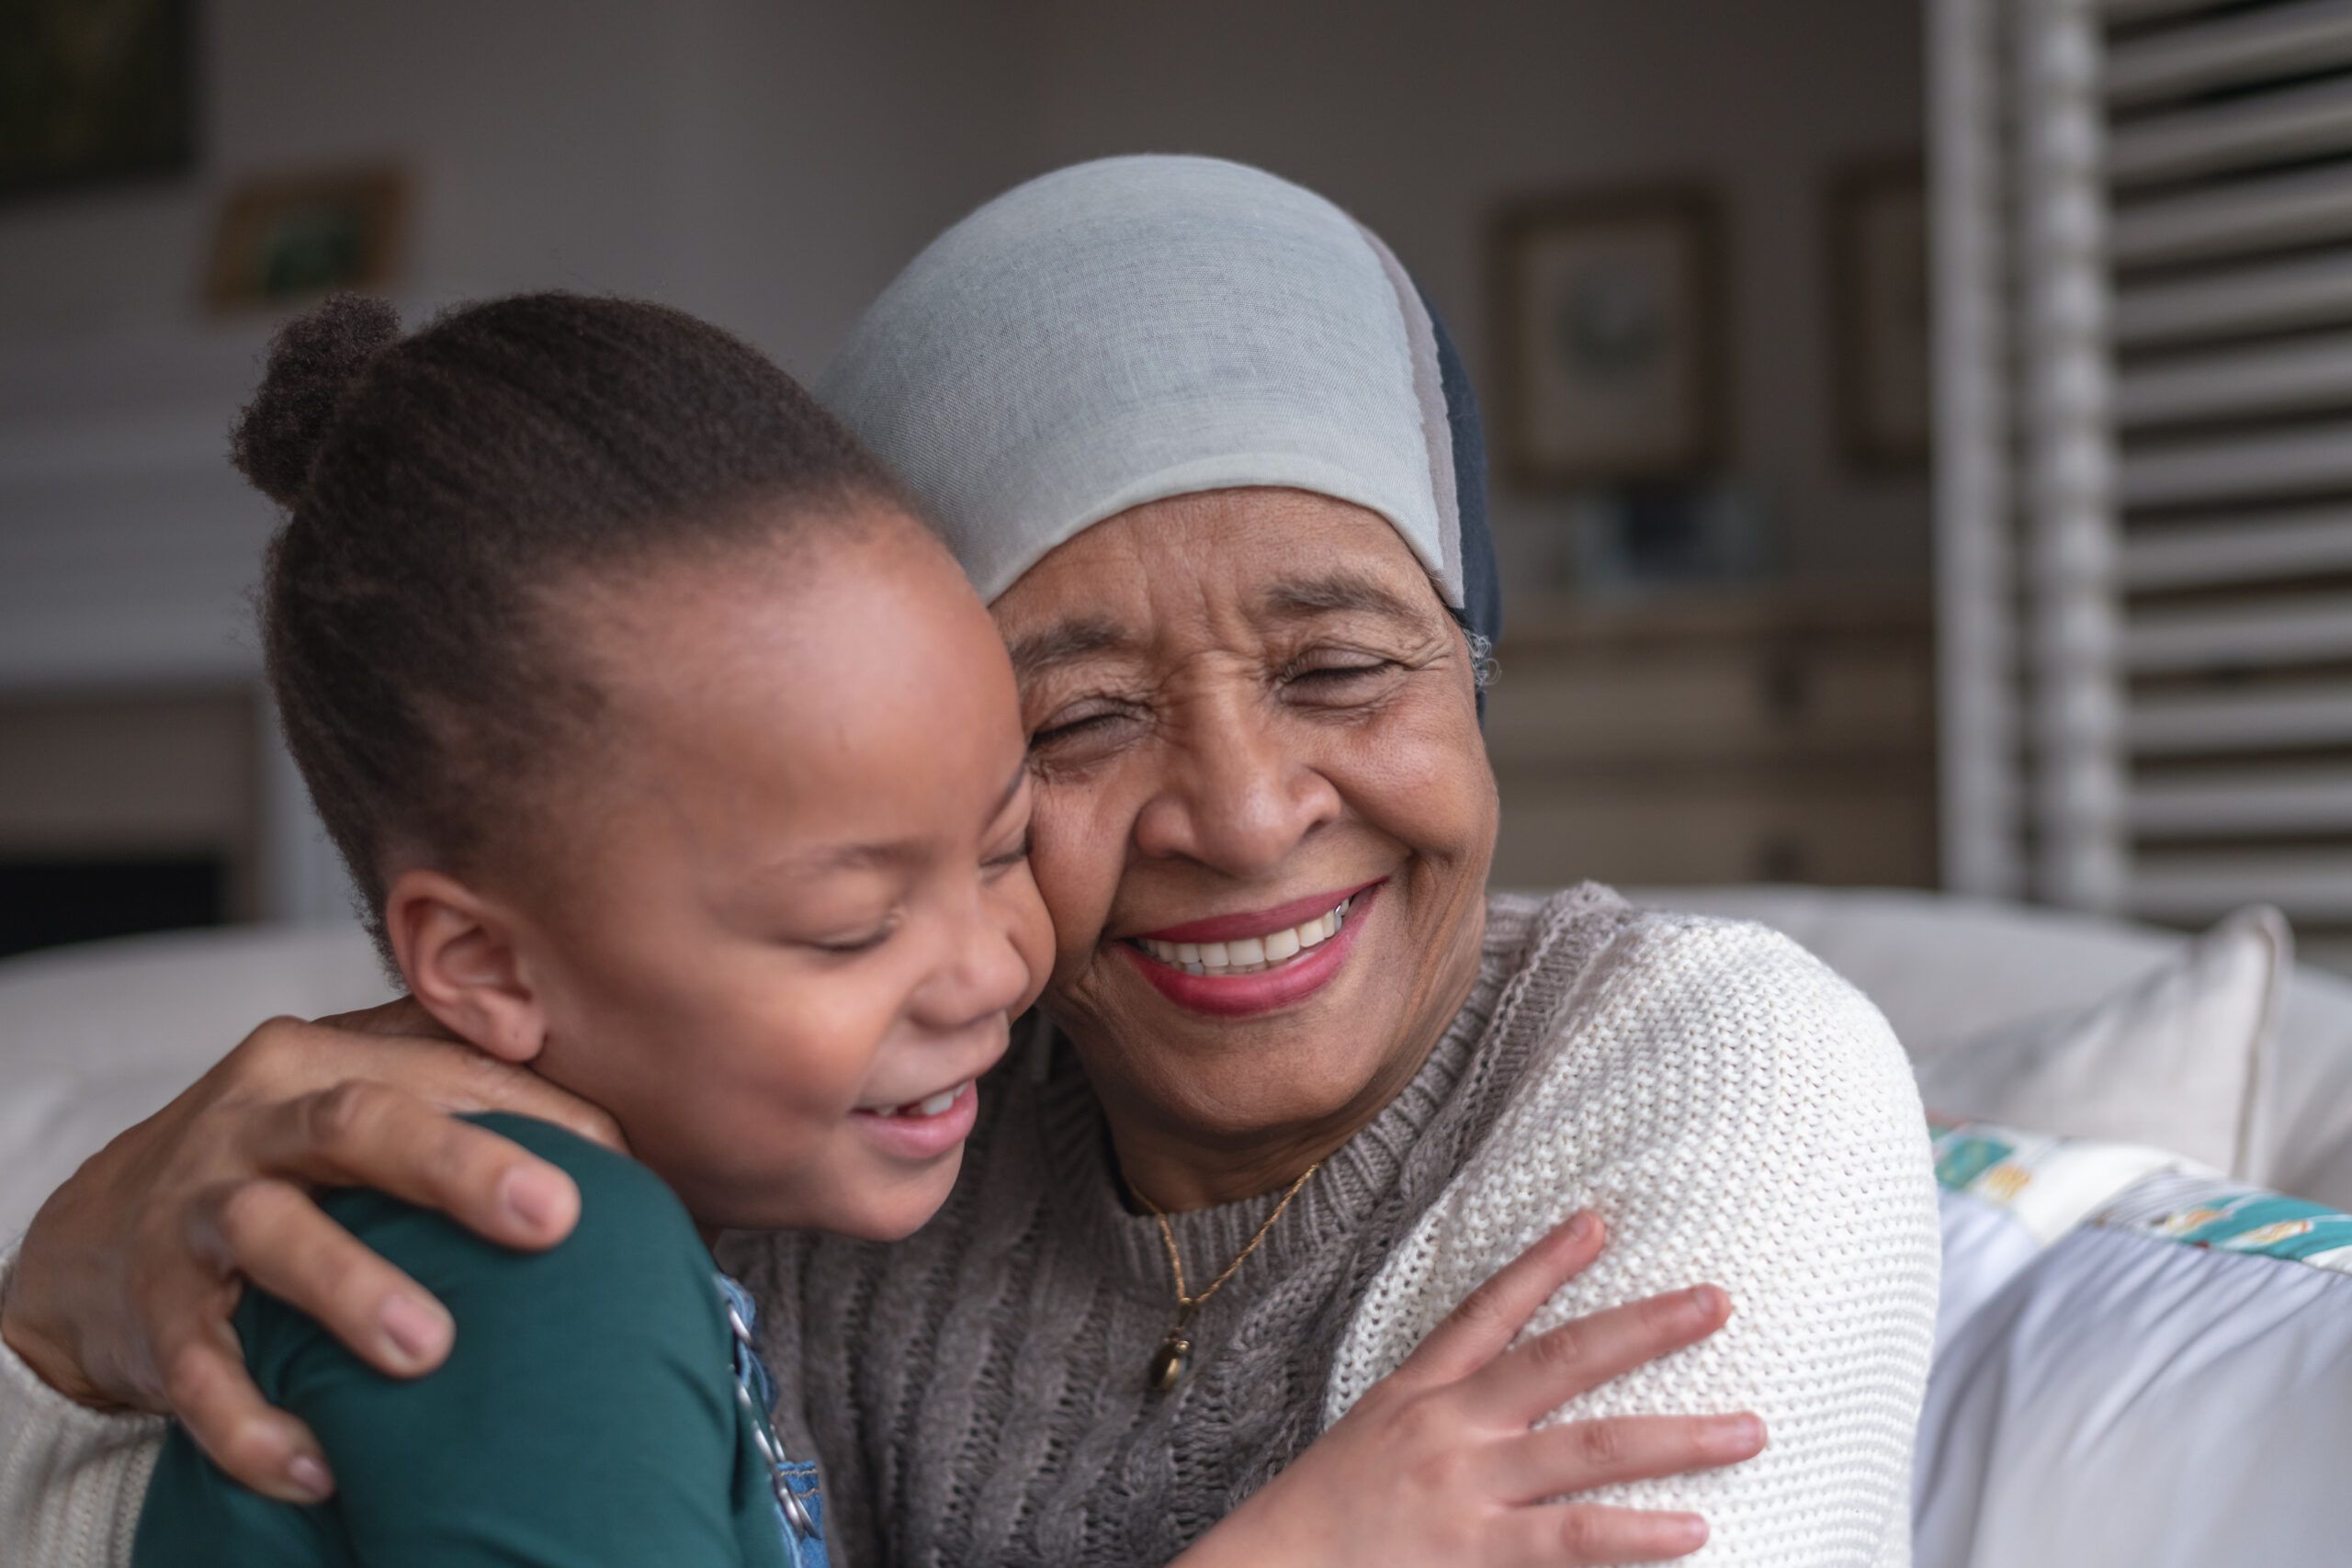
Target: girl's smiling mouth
{"x":923,"y":1129}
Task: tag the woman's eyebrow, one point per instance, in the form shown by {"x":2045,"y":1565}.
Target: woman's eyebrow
{"x":1064,"y":642}
{"x":1294,"y":598}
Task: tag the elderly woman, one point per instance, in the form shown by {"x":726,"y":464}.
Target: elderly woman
{"x":1299,"y":1082}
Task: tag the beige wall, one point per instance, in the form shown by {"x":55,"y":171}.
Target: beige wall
{"x":771,"y":164}
{"x":1419,"y":117}
{"x":767,"y":164}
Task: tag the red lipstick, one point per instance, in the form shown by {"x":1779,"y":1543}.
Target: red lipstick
{"x":1256,"y":922}
{"x":1242,"y":996}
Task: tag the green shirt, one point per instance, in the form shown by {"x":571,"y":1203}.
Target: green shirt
{"x":588,"y":1413}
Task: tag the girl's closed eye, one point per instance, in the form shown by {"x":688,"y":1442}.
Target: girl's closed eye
{"x":857,"y":942}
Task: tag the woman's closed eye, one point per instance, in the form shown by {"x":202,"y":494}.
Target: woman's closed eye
{"x":1091,"y":721}
{"x":1337,"y":676}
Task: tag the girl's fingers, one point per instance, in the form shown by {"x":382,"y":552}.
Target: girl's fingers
{"x":1575,"y":1535}
{"x":1559,"y":1461}
{"x":277,"y":1237}
{"x":1524,"y":1385}
{"x":1490,"y":1318}
{"x":359,"y":1134}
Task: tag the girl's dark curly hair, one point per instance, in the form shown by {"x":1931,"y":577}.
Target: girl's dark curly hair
{"x":441,"y":487}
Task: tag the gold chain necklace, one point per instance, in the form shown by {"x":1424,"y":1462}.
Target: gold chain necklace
{"x":1175,"y":1353}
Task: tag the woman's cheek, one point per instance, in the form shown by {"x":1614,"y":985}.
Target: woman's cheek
{"x":1419,"y":778}
{"x":1076,"y":851}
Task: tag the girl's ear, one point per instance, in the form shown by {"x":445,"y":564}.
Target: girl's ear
{"x":458,"y":953}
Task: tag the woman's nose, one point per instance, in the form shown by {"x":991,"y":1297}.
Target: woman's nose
{"x":1237,"y":796}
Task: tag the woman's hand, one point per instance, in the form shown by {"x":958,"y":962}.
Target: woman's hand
{"x":1441,"y":1463}
{"x":122,"y":1292}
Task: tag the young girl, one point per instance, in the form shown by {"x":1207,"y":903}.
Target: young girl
{"x":673,"y":758}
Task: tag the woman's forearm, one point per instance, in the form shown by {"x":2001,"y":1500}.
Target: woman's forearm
{"x":71,"y":1479}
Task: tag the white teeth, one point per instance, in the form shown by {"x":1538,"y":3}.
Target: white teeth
{"x":937,"y":1105}
{"x":1249,"y":955}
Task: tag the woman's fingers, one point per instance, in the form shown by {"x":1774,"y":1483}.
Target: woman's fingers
{"x":398,"y":1043}
{"x":1521,"y":1386}
{"x":1490,"y":1318}
{"x":123,"y":1285}
{"x":360,"y":1134}
{"x":272,"y":1233}
{"x":1580,"y":1534}
{"x":1580,"y":1455}
{"x":204,"y":1382}
{"x":402,"y":1016}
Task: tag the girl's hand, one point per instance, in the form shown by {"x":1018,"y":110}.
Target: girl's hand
{"x":122,"y":1292}
{"x":1439,"y":1462}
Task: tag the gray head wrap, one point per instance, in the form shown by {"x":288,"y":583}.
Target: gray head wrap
{"x":1137,"y":328}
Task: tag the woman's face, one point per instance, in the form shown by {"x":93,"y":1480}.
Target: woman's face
{"x":1249,"y":712}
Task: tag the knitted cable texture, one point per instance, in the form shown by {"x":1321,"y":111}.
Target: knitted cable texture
{"x":977,"y":1394}
{"x":71,"y":1480}
{"x":1737,"y":1115}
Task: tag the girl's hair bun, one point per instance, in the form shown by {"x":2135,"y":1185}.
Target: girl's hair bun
{"x":314,"y":361}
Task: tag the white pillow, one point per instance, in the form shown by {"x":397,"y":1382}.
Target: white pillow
{"x":2167,"y":1385}
{"x":93,"y":1038}
{"x":2176,"y":1059}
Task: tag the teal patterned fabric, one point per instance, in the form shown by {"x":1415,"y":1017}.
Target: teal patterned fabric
{"x":2227,"y":1217}
{"x":2052,"y":1184}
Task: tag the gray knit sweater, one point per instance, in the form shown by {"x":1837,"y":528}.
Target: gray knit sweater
{"x":977,"y":1394}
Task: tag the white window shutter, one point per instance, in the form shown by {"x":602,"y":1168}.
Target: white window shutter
{"x":2144,"y":290}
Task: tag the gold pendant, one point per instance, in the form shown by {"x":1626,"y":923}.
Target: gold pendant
{"x":1168,"y":1364}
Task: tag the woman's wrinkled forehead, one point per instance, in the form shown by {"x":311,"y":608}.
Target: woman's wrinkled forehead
{"x":1136,"y":329}
{"x":1220,"y":569}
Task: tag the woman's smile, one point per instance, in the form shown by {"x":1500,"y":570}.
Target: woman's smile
{"x":1255,"y":962}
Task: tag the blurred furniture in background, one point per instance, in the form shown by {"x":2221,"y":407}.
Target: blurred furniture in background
{"x":1727,"y":736}
{"x":2144,"y":284}
{"x":96,"y":1037}
{"x":142,"y":785}
{"x":128,"y":811}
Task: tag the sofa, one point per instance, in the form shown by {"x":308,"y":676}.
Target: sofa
{"x":2143,"y":1359}
{"x":93,"y":1038}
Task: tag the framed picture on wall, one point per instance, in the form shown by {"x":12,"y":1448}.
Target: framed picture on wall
{"x":1879,"y":312}
{"x":290,"y":238}
{"x":1609,"y":336}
